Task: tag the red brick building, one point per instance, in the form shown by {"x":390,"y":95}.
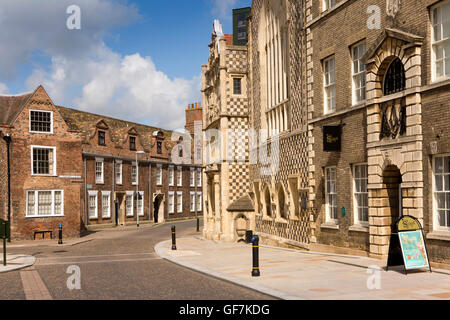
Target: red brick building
{"x":79,"y":169}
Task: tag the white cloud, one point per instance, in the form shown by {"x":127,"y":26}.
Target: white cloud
{"x":223,"y":8}
{"x":84,"y":73}
{"x":3,"y":88}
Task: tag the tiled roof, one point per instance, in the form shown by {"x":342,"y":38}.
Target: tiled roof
{"x":85,"y":123}
{"x":10,"y":106}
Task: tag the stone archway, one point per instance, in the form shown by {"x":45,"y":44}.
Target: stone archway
{"x":158,"y":208}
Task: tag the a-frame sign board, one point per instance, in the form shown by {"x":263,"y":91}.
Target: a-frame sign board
{"x":407,"y":246}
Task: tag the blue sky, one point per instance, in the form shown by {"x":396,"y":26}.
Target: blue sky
{"x":143,"y":56}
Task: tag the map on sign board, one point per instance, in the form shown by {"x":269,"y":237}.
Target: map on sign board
{"x":413,"y":249}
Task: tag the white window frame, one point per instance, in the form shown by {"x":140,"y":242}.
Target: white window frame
{"x":179,"y":202}
{"x":192,"y":200}
{"x":93,"y":194}
{"x":108,"y":214}
{"x":192,"y":177}
{"x":51,"y":121}
{"x":119,"y":178}
{"x":171,"y":176}
{"x":328,"y":207}
{"x":140,"y":208}
{"x":171,"y":202}
{"x":199,"y":177}
{"x":328,"y":4}
{"x":357,"y":74}
{"x":131,"y":213}
{"x":199,"y":202}
{"x":102,"y":180}
{"x":356,"y":208}
{"x":440,"y":42}
{"x":28,"y":214}
{"x":159,"y":174}
{"x":436,"y":225}
{"x":329,"y":88}
{"x":54,"y":174}
{"x":179,"y":176}
{"x":134,"y":165}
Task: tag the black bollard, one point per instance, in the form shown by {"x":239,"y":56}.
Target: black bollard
{"x":255,"y":272}
{"x":174,"y":238}
{"x":198,"y":224}
{"x":60,"y":235}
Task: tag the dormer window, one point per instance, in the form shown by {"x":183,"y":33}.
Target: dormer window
{"x":41,"y":121}
{"x":395,"y":79}
{"x":133,"y":143}
{"x":101,"y":138}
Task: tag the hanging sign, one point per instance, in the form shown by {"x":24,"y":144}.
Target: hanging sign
{"x":332,"y":138}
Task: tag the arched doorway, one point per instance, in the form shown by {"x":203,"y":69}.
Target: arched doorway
{"x":158,"y":208}
{"x":267,"y":202}
{"x":392,"y":179}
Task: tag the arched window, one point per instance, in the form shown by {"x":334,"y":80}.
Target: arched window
{"x":282,"y":203}
{"x":395,"y":79}
{"x":268,"y":203}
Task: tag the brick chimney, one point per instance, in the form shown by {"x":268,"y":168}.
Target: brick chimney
{"x":193,"y":113}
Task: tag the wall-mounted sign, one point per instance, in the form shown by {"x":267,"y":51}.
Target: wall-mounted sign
{"x":332,"y":138}
{"x":407,"y":246}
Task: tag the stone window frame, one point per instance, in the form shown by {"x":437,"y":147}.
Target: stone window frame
{"x":129,"y":213}
{"x":95,"y":202}
{"x":133,"y":143}
{"x":436,"y":225}
{"x":328,"y":218}
{"x":235,"y":93}
{"x":36,"y":204}
{"x":102,"y":172}
{"x":356,"y":219}
{"x":329,"y":84}
{"x":51,"y":121}
{"x":101,"y":138}
{"x":53,"y":172}
{"x":108,"y":206}
{"x":361,"y":72}
{"x":434,"y":43}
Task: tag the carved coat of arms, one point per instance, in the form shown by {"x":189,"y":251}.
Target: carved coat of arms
{"x":393,"y":7}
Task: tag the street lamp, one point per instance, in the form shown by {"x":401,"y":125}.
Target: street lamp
{"x":137,"y":187}
{"x":8,"y":141}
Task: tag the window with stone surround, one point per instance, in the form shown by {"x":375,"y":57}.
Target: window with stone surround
{"x":45,"y":203}
{"x":395,"y":78}
{"x":130,"y":204}
{"x":192,"y":201}
{"x":171,"y":176}
{"x":101,"y":138}
{"x":331,"y":195}
{"x":134,"y":173}
{"x":440,"y":19}
{"x":118,"y":172}
{"x":140,"y":203}
{"x":199,"y":177}
{"x":359,"y":73}
{"x":199,"y":201}
{"x":180,"y":202}
{"x":360,"y":194}
{"x":329,"y":86}
{"x":441,"y":190}
{"x":192,"y":177}
{"x":159,"y":174}
{"x":179,"y":176}
{"x":171,"y":202}
{"x":133,"y":143}
{"x":237,"y":86}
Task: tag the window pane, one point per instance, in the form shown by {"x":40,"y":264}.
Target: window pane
{"x":44,"y":203}
{"x":31,"y":203}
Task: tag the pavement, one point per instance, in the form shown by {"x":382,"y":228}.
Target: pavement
{"x":303,"y":275}
{"x":16,"y":262}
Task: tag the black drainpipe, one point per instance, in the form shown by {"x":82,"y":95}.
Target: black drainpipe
{"x":8,"y":140}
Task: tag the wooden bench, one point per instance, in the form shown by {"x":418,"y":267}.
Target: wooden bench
{"x":43,"y":232}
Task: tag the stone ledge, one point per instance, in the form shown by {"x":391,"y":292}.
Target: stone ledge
{"x":438,"y":235}
{"x":358,"y":228}
{"x":331,"y":226}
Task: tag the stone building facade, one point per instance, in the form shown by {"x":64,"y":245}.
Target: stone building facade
{"x":79,"y":169}
{"x":380,"y":84}
{"x":354,"y":99}
{"x":225,"y":124}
